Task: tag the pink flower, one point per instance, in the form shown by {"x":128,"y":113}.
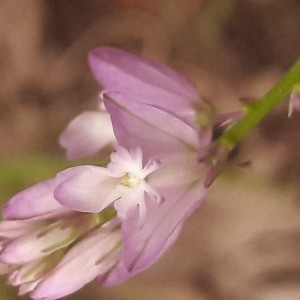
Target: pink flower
{"x":43,"y":244}
{"x":136,"y":190}
{"x":112,"y":222}
{"x":154,"y":109}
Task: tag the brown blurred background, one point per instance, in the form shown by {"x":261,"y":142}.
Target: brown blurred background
{"x":244,"y":242}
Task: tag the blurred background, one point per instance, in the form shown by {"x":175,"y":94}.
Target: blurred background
{"x":244,"y":242}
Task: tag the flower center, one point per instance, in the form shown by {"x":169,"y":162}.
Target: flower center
{"x":130,"y":180}
{"x":133,"y":186}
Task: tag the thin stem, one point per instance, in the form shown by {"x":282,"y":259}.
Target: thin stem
{"x":257,"y":111}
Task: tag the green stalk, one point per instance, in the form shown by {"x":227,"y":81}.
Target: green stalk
{"x":257,"y":111}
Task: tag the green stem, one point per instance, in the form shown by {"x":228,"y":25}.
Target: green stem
{"x":257,"y":111}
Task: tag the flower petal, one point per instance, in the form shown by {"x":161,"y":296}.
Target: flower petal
{"x":116,"y":276}
{"x":92,"y":256}
{"x":87,"y":134}
{"x":131,"y":198}
{"x":152,"y":83}
{"x":27,"y":273}
{"x":146,"y":126}
{"x":180,"y":184}
{"x":36,"y":201}
{"x":120,"y":273}
{"x":37,"y":244}
{"x":28,"y":287}
{"x":86,"y":188}
{"x":144,"y":245}
{"x":13,"y":229}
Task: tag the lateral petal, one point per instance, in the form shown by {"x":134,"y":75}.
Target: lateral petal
{"x":87,"y":134}
{"x":152,"y":83}
{"x":144,"y":245}
{"x":86,"y":188}
{"x":36,"y":201}
{"x":146,"y":126}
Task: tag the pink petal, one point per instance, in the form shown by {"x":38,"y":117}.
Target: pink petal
{"x":87,"y":134}
{"x":179,"y":182}
{"x":28,"y":287}
{"x":37,"y":244}
{"x":26,"y":273}
{"x":152,"y":83}
{"x":116,"y":276}
{"x":86,"y":188}
{"x":14,"y":229}
{"x":178,"y":169}
{"x":144,"y":245}
{"x":119,"y":273}
{"x":83,"y":263}
{"x":156,"y":131}
{"x":36,"y":201}
{"x":132,"y":197}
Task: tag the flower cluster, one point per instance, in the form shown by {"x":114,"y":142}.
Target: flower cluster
{"x":111,"y":222}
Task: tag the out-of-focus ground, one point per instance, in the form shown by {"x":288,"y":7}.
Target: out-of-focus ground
{"x":244,"y":242}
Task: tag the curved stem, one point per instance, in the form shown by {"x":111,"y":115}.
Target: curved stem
{"x":255,"y":112}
